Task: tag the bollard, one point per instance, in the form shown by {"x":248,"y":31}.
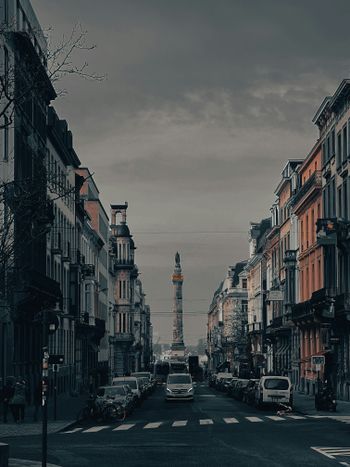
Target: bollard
{"x":4,"y":455}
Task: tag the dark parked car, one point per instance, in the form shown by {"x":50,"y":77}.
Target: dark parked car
{"x":239,"y":389}
{"x":231,"y":388}
{"x":249,"y":391}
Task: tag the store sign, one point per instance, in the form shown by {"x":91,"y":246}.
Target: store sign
{"x":275,"y":296}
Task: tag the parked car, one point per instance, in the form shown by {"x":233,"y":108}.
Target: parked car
{"x":145,"y":387}
{"x":239,"y":388}
{"x":220,"y":377}
{"x":225,"y":384}
{"x":179,"y":386}
{"x":231,"y":388}
{"x":117,"y":394}
{"x":130,"y":381}
{"x":146,"y":374}
{"x":274,"y":390}
{"x":249,"y":391}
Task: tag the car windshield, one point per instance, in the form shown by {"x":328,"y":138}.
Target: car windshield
{"x":179,"y":379}
{"x":131,"y":383}
{"x":111,"y":392}
{"x":276,"y":383}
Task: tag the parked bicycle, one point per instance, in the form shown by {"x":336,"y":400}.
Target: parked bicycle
{"x":99,"y":409}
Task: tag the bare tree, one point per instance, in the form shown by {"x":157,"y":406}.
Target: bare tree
{"x":59,"y":61}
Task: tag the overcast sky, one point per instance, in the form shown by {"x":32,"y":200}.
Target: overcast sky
{"x":203,"y":103}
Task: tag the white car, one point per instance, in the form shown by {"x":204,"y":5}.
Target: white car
{"x":179,"y":386}
{"x":274,"y":390}
{"x":130,"y":381}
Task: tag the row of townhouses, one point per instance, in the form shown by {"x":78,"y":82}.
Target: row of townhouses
{"x":297,"y":276}
{"x":64,"y":263}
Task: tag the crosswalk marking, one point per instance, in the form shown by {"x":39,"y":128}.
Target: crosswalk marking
{"x":203,"y":422}
{"x":231,"y":420}
{"x":275,"y":418}
{"x":95,"y":429}
{"x":180,"y":423}
{"x":75,"y":430}
{"x":151,"y":426}
{"x":207,"y":421}
{"x":125,"y":427}
{"x":333,"y":452}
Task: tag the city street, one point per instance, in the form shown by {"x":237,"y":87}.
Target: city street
{"x":212,"y":430}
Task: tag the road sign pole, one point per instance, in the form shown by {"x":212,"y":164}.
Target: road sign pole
{"x":44,"y":389}
{"x":55,"y":392}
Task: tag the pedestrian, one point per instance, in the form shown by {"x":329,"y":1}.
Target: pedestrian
{"x":6,"y":395}
{"x":17,"y":402}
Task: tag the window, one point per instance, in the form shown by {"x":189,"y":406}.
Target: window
{"x":345,"y":142}
{"x":244,"y":283}
{"x":6,"y":139}
{"x":339,"y":149}
{"x":345,"y":199}
{"x":340,"y":210}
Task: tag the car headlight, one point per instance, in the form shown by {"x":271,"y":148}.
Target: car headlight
{"x":168,"y":390}
{"x":190,"y":390}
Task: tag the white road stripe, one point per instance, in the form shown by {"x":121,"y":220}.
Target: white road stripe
{"x":207,"y":395}
{"x":125,"y":427}
{"x":207,"y":421}
{"x":153,"y":425}
{"x":231,"y":420}
{"x":296,"y":417}
{"x":275,"y":418}
{"x":254,"y":419}
{"x":75,"y":430}
{"x":95,"y":429}
{"x":318,"y":416}
{"x":180,"y":423}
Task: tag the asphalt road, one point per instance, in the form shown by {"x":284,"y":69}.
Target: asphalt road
{"x":214,"y":430}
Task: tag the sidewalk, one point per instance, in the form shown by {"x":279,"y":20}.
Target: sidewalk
{"x":67,"y":409}
{"x":305,"y":404}
{"x":26,"y":463}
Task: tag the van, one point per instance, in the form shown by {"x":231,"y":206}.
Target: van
{"x":274,"y":390}
{"x":130,"y":381}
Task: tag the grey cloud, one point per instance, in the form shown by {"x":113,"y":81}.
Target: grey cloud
{"x":203,"y":102}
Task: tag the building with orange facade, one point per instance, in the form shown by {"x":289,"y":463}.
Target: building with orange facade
{"x":307,"y":205}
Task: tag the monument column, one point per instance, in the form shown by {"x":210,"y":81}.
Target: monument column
{"x":178,"y":346}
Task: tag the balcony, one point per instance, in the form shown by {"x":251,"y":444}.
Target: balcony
{"x":312,"y":184}
{"x":123,"y":264}
{"x":122,"y":337}
{"x":88,"y":271}
{"x":253,"y":328}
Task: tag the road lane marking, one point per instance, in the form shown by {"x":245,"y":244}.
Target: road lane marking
{"x":275,"y":418}
{"x":125,"y":427}
{"x":231,"y":420}
{"x":207,"y":395}
{"x":180,"y":423}
{"x":254,"y":419}
{"x":75,"y":430}
{"x":206,"y":421}
{"x":95,"y":429}
{"x":151,"y":426}
{"x":296,"y":417}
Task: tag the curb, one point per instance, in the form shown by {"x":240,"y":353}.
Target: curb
{"x":27,"y":463}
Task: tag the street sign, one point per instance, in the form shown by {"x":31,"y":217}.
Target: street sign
{"x":55,"y":359}
{"x":318,"y":360}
